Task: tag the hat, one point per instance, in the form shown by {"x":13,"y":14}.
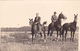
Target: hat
{"x":54,"y":12}
{"x":37,"y":13}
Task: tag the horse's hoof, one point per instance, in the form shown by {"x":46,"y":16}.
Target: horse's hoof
{"x":47,"y":35}
{"x":57,"y":40}
{"x":72,"y":40}
{"x":50,"y":38}
{"x":53,"y":40}
{"x":44,"y":40}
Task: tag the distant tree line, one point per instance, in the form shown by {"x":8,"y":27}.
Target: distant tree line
{"x":25,"y":28}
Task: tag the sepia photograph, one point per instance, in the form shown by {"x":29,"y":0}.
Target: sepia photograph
{"x":39,"y":25}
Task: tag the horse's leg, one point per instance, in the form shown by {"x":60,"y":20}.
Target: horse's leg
{"x":62,"y":34}
{"x":71,"y":36}
{"x":44,"y":34}
{"x":48,"y":31}
{"x":41,"y":34}
{"x":61,"y":31}
{"x":65,"y":35}
{"x":32,"y":37}
{"x":57,"y":35}
{"x":51,"y":32}
{"x":35,"y":35}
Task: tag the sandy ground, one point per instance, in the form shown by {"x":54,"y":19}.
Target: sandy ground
{"x":22,"y":42}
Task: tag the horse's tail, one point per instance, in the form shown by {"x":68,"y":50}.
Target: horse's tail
{"x":44,"y":23}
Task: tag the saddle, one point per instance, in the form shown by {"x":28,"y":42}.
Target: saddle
{"x":53,"y":23}
{"x":38,"y":25}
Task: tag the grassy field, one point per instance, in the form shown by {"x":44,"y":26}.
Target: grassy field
{"x":21,"y":41}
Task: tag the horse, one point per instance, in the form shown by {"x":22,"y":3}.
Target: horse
{"x":70,"y":26}
{"x":57,"y":25}
{"x":34,"y":29}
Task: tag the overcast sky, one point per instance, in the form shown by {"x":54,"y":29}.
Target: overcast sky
{"x":17,"y":14}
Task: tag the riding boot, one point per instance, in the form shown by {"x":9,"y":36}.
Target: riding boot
{"x":52,"y":24}
{"x":38,"y":27}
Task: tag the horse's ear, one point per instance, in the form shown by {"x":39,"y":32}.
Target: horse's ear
{"x":76,"y":14}
{"x":61,"y":12}
{"x":32,"y":18}
{"x":29,"y":18}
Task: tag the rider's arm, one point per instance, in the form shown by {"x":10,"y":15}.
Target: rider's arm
{"x":35,"y":19}
{"x":51,"y":17}
{"x":39,"y":19}
{"x":55,"y":17}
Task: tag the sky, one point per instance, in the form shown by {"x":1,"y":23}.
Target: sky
{"x":17,"y":13}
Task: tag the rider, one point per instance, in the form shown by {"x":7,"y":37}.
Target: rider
{"x":37,"y":20}
{"x":54,"y":18}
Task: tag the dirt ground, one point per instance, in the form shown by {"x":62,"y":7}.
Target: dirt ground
{"x":13,"y":41}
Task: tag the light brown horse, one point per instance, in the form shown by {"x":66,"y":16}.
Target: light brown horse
{"x":34,"y":29}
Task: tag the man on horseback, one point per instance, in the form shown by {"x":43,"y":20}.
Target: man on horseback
{"x":37,"y":20}
{"x":53,"y":18}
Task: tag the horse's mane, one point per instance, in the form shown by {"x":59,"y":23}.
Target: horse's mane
{"x":73,"y":23}
{"x":58,"y":19}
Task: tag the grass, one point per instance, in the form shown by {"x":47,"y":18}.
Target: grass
{"x":23,"y":42}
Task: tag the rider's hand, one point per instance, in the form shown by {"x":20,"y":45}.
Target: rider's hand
{"x":36,"y":22}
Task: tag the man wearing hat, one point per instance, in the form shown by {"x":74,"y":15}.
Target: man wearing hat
{"x":54,"y":18}
{"x":37,"y":20}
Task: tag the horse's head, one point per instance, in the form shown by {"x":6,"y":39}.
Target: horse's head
{"x":30,"y":21}
{"x":75,"y":17}
{"x":61,"y":16}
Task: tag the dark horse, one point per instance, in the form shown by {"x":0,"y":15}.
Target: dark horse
{"x":34,"y":29}
{"x":70,"y":26}
{"x":57,"y":25}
